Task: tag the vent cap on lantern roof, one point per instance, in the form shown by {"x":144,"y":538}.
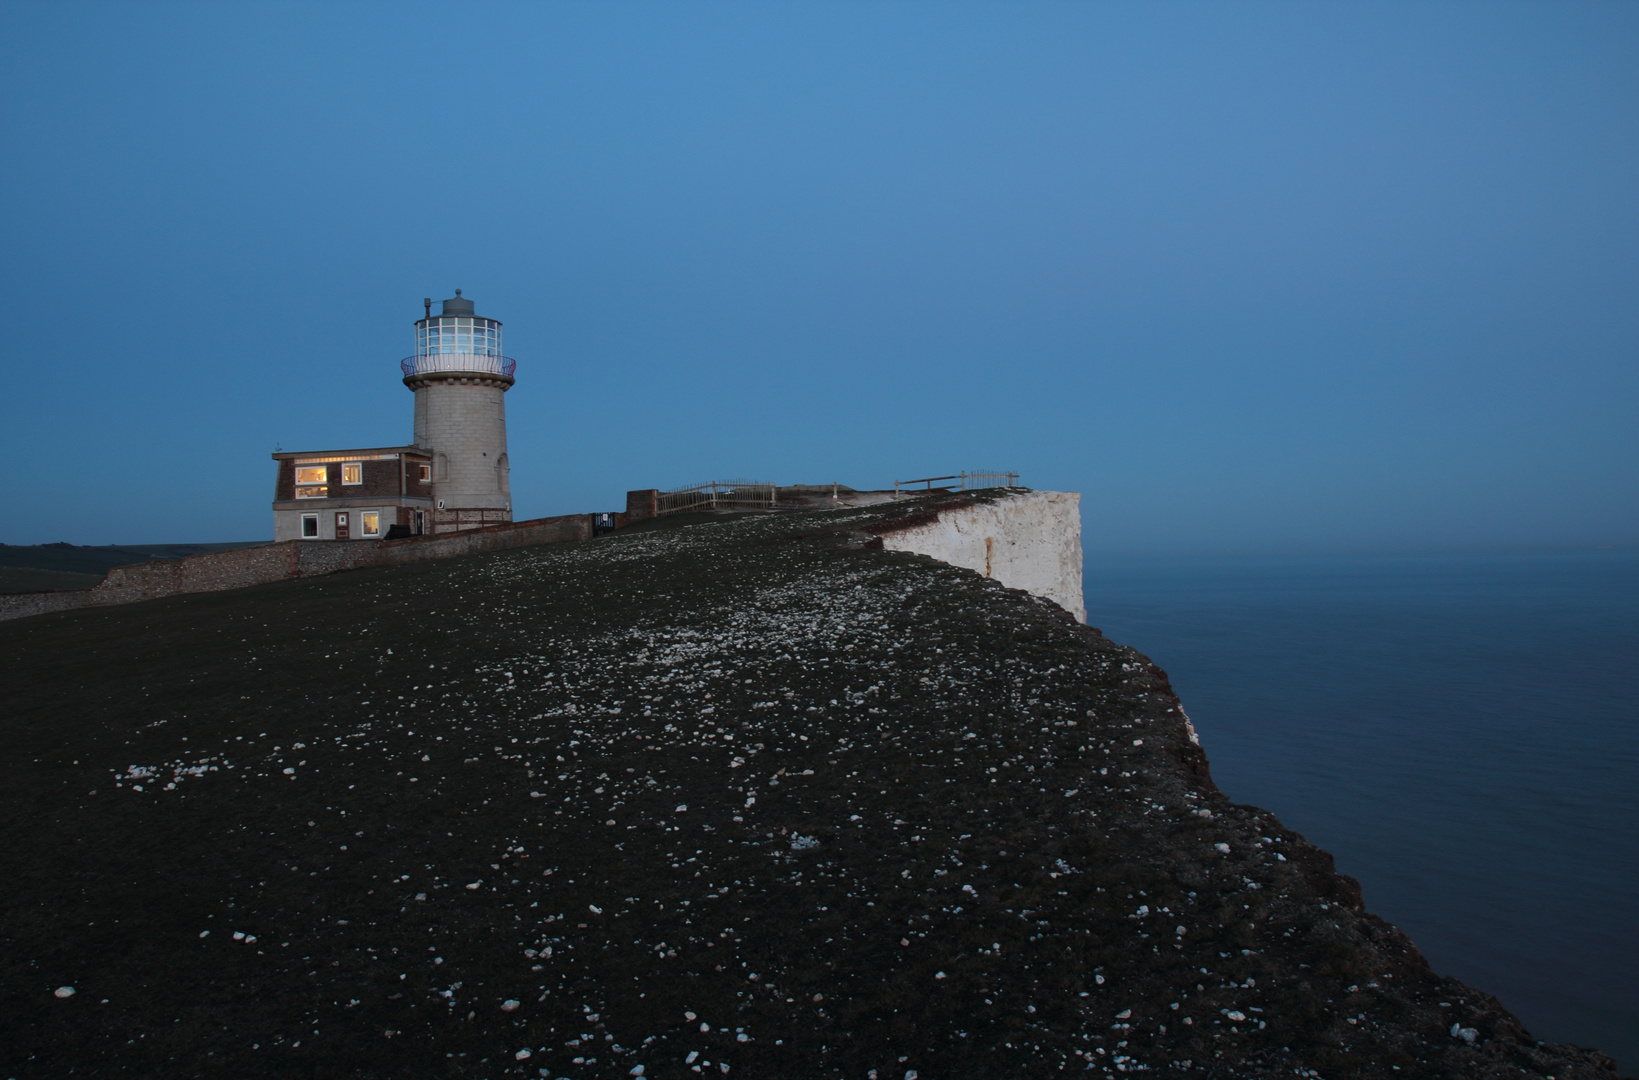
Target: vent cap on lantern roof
{"x":457,"y":306}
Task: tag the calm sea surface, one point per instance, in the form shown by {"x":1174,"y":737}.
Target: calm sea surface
{"x":1460,"y":730}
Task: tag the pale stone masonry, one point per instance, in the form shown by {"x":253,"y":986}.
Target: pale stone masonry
{"x":461,"y":419}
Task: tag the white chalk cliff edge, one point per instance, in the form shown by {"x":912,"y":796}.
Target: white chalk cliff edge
{"x":1028,"y":540}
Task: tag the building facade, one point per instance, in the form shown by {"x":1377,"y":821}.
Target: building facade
{"x":353,"y":494}
{"x":454,"y":476}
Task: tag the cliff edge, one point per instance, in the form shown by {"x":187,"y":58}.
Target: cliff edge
{"x":754,"y":797}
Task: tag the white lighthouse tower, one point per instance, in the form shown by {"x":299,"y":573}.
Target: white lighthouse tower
{"x":460,"y":379}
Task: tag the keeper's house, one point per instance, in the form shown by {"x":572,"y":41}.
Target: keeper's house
{"x":456,"y":476}
{"x":353,"y":494}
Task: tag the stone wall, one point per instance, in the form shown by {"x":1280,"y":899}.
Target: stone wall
{"x":463,"y":418}
{"x":1030,"y":540}
{"x":219,"y":570}
{"x":21,"y":605}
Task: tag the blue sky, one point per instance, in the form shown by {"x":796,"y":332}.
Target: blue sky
{"x":1249,"y":277}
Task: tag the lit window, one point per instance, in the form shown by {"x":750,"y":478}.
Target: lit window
{"x":312,"y":474}
{"x":352,"y":473}
{"x":311,"y":492}
{"x":370,"y":522}
{"x":310,"y":526}
{"x":426,"y":474}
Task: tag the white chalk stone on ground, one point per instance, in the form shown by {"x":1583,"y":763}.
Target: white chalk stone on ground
{"x":64,"y":991}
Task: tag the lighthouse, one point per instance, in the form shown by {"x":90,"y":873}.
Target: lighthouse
{"x":460,"y":377}
{"x":453,"y":476}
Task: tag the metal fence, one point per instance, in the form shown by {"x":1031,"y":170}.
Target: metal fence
{"x":448,"y":521}
{"x":718,"y":495}
{"x":966,"y":481}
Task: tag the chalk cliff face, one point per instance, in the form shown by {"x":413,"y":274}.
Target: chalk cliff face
{"x":1028,"y":540}
{"x":753,"y":797}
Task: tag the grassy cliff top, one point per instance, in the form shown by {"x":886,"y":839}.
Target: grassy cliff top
{"x":741,"y":797}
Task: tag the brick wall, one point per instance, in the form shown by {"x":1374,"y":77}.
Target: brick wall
{"x":219,"y":570}
{"x":641,"y":505}
{"x":284,"y":488}
{"x":379,"y":478}
{"x":413,"y":484}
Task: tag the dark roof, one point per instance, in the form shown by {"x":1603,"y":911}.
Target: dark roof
{"x":408,"y":451}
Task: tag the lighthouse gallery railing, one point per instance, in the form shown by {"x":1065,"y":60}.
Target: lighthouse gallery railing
{"x":488,"y":365}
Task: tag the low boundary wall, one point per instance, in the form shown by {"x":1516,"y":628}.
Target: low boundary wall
{"x":217,"y":571}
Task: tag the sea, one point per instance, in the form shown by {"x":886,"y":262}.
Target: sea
{"x":1460,"y":729}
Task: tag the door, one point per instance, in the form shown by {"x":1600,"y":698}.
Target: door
{"x":342,"y":531}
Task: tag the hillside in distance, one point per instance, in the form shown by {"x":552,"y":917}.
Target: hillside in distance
{"x":744,"y":796}
{"x":47,"y":567}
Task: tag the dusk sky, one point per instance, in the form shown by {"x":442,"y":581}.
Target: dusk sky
{"x":1248,"y":276}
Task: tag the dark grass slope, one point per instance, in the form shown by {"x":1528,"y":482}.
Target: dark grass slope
{"x":50,"y":567}
{"x":16,"y":579}
{"x":744,"y":797}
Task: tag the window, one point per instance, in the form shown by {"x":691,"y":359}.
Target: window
{"x":370,"y":522}
{"x":352,"y":473}
{"x":312,"y":474}
{"x":311,"y":492}
{"x":458,"y":335}
{"x":310,"y":526}
{"x":426,"y":474}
